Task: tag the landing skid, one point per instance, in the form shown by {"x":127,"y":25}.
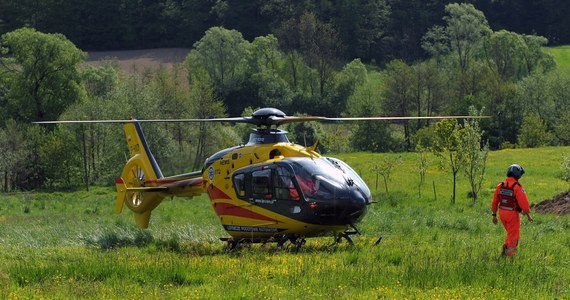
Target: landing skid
{"x":297,"y":241}
{"x":346,"y":235}
{"x":233,"y":243}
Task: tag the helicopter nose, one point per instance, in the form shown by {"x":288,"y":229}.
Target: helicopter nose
{"x":347,"y":208}
{"x":357,"y":207}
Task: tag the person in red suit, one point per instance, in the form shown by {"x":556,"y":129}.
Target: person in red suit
{"x":510,"y":200}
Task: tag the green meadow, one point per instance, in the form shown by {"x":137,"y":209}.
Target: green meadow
{"x":561,"y":56}
{"x":70,"y":245}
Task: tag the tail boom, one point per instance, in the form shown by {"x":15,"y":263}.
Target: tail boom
{"x":142,"y":186}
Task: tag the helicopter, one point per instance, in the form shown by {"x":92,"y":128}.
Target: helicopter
{"x":267,"y":190}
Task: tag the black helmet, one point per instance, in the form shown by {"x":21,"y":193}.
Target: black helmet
{"x":515,"y":171}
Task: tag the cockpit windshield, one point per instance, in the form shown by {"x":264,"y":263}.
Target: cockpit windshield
{"x":352,"y":175}
{"x":323,"y":177}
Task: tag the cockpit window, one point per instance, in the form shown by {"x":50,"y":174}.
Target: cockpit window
{"x":239,"y":185}
{"x":317,"y":178}
{"x":298,"y":178}
{"x":352,"y":175}
{"x":306,"y":182}
{"x":323,"y":177}
{"x":283,"y":183}
{"x":261,"y":183}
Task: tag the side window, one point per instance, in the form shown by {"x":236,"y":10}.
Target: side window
{"x":284,"y":187}
{"x":261,"y":183}
{"x":239,"y":185}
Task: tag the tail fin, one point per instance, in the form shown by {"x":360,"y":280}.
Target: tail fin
{"x":137,"y":185}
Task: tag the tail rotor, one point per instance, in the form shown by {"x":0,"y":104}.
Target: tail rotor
{"x":137,"y":187}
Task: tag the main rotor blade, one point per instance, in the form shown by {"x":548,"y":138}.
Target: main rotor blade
{"x":287,"y":119}
{"x":231,"y":120}
{"x":259,"y":121}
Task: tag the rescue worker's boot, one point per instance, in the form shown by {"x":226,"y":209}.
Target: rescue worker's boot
{"x":511,"y":252}
{"x":504,"y":252}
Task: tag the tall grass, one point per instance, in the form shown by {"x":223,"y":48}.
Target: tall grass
{"x":72,"y":245}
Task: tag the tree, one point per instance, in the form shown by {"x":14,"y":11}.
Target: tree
{"x":514,"y":56}
{"x":474,"y":155}
{"x":385,"y":167}
{"x":465,"y":27}
{"x":503,"y":51}
{"x":288,"y":37}
{"x":45,"y":76}
{"x":557,"y":89}
{"x":172,"y":89}
{"x":100,"y":81}
{"x":423,"y":163}
{"x":103,"y":143}
{"x":352,"y":76}
{"x":21,"y":146}
{"x":361,"y":24}
{"x":464,"y":30}
{"x":500,"y":98}
{"x":533,"y":132}
{"x":436,"y":42}
{"x":321,"y":48}
{"x":312,"y":50}
{"x":13,"y":146}
{"x":534,"y":57}
{"x":562,"y":129}
{"x":264,"y":72}
{"x":306,"y":134}
{"x":60,"y":157}
{"x":533,"y":96}
{"x":209,"y":136}
{"x":221,"y":52}
{"x":368,"y":135}
{"x":247,"y":17}
{"x":409,"y":20}
{"x":100,"y":25}
{"x":398,"y":94}
{"x":565,"y":167}
{"x":447,"y":146}
{"x":434,"y":88}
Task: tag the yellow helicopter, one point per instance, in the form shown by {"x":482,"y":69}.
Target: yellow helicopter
{"x":268,"y":190}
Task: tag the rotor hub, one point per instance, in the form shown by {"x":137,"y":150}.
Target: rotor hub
{"x":267,"y":116}
{"x":267,"y":112}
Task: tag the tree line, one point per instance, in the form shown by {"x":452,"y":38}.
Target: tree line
{"x":470,"y":68}
{"x":379,"y":30}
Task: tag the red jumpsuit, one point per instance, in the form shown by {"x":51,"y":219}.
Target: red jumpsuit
{"x":509,"y":211}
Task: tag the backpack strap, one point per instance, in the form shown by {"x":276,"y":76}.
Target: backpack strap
{"x":503,"y":185}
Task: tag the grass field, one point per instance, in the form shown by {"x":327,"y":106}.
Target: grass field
{"x":72,"y":245}
{"x":561,"y":56}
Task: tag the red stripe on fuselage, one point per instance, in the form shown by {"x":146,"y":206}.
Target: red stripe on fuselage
{"x":119,"y":180}
{"x":226,"y":209}
{"x":216,"y":193}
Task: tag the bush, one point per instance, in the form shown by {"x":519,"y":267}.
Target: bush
{"x":534,"y":132}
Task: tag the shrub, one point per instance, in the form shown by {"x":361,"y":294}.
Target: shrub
{"x":534,"y":132}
